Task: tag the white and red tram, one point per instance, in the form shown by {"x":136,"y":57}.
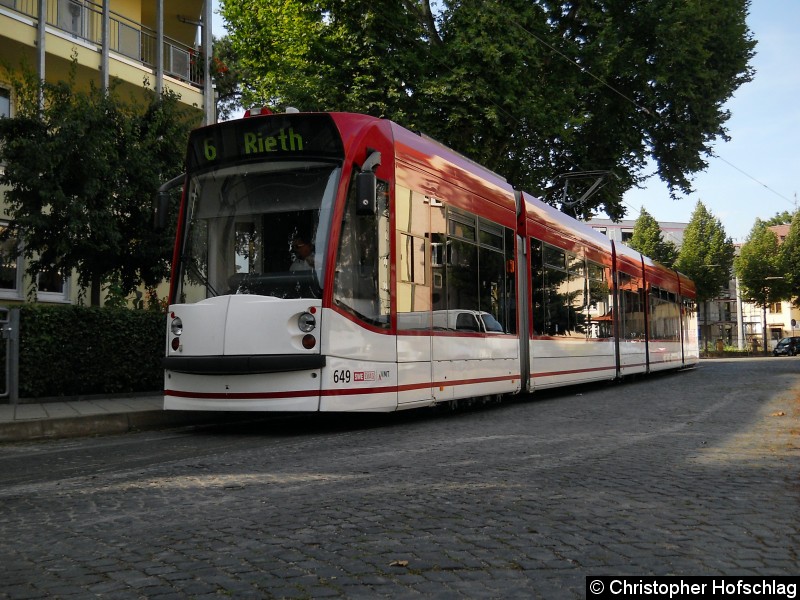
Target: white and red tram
{"x":338,"y":262}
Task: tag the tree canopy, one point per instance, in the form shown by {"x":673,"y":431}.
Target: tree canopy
{"x":761,"y":267}
{"x":649,"y":240}
{"x":532,"y":89}
{"x":791,"y":256}
{"x":781,"y":218}
{"x":81,"y":176}
{"x":706,"y":254}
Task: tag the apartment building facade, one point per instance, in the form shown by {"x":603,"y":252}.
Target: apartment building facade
{"x":156,"y":44}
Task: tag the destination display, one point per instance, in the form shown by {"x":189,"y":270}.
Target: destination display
{"x":265,"y":137}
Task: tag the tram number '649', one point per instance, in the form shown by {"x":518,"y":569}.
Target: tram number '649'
{"x":342,"y":376}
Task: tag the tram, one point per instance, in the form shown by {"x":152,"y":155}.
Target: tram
{"x":339,"y":262}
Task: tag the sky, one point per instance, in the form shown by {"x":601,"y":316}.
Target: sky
{"x":757,"y":173}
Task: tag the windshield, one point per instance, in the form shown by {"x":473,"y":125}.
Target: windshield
{"x":255,"y":229}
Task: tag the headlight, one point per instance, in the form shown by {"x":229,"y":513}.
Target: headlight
{"x":177,"y":326}
{"x":306,"y":322}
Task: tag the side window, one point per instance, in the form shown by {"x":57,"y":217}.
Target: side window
{"x":538,"y":292}
{"x":361,"y":283}
{"x":412,"y":219}
{"x":664,"y":315}
{"x":462,"y":261}
{"x":564,"y":292}
{"x":472,"y":262}
{"x":577,"y":295}
{"x":556,"y":291}
{"x":688,"y":322}
{"x":510,"y":304}
{"x":631,"y":323}
{"x":599,"y":305}
{"x":493,"y":280}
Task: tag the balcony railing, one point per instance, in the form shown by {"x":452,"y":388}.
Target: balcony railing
{"x":84,"y":20}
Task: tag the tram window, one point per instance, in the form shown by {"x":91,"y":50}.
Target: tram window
{"x":577,"y":295}
{"x":555,"y":258}
{"x":688,"y":316}
{"x":564,"y":292}
{"x":599,"y":304}
{"x":576,"y":265}
{"x":492,"y":283}
{"x":491,"y":235}
{"x":596,"y":272}
{"x":413,"y":294}
{"x":437,"y":253}
{"x":510,"y":304}
{"x":462,"y":276}
{"x":412,"y":259}
{"x":362,"y":268}
{"x":664,"y":315}
{"x":439,"y":256}
{"x":538,"y":289}
{"x":457,"y":227}
{"x":411,"y":211}
{"x":240,"y":224}
{"x":246,"y":246}
{"x":473,"y":267}
{"x":631,"y":322}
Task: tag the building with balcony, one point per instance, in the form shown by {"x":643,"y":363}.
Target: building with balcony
{"x":156,"y":44}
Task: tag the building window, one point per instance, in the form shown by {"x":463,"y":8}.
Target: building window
{"x":70,"y":16}
{"x":52,"y":286}
{"x":5,"y":103}
{"x":10,"y":268}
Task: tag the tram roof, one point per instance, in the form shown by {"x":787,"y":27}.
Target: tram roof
{"x":426,"y":154}
{"x":564,"y":225}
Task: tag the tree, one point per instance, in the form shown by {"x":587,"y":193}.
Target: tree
{"x":781,"y":218}
{"x":649,"y":240}
{"x":229,"y":77}
{"x":706,"y":256}
{"x":761,"y":269}
{"x":791,"y":256}
{"x":81,"y":176}
{"x":531,"y":89}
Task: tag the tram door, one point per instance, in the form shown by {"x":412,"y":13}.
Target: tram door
{"x":414,"y":291}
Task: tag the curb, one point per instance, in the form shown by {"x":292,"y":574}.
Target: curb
{"x":92,"y":425}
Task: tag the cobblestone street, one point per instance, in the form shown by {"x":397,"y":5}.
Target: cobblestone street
{"x":693,"y":473}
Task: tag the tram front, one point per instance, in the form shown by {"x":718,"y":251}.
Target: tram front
{"x":250,"y":265}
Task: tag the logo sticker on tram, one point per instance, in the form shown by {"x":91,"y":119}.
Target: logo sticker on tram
{"x":364,"y":376}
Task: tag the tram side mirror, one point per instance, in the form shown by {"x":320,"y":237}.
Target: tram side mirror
{"x":366,"y":193}
{"x":162,"y":208}
{"x":162,"y":202}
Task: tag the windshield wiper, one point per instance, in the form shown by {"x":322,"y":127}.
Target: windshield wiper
{"x":194,"y":269}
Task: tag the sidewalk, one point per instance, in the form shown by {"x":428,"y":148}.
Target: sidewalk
{"x":76,"y":418}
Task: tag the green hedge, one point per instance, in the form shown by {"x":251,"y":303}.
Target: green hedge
{"x":76,"y":350}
